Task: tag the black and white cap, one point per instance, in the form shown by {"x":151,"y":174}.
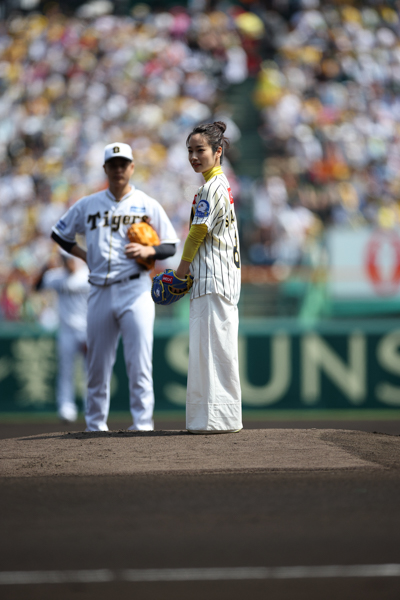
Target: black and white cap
{"x":117,"y":149}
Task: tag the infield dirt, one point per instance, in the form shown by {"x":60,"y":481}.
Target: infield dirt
{"x":124,"y":452}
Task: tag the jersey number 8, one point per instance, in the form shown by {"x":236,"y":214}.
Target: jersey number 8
{"x":236,"y":258}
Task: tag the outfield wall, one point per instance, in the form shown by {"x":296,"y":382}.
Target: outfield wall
{"x":284,"y":366}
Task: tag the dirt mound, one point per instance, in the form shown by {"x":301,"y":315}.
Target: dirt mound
{"x":124,"y":452}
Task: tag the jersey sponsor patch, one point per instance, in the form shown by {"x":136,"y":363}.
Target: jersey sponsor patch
{"x":137,"y":209}
{"x":61,"y":225}
{"x":230,"y":195}
{"x":202,"y":210}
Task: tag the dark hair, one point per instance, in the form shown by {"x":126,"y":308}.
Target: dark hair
{"x":214,"y":134}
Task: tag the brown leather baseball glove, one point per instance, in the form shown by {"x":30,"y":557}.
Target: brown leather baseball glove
{"x":143,"y":233}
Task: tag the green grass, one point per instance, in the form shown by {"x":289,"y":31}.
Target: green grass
{"x":249,"y":415}
{"x":319,"y":415}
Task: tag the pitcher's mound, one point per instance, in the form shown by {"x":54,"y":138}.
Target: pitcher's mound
{"x":126,"y":452}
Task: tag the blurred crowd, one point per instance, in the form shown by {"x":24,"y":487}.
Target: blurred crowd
{"x":70,"y":85}
{"x":328,"y":93}
{"x":327,"y":76}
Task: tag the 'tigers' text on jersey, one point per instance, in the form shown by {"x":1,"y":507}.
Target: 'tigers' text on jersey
{"x":98,"y":220}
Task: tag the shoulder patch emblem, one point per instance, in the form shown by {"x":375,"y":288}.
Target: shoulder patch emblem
{"x":61,"y":225}
{"x":202,"y":210}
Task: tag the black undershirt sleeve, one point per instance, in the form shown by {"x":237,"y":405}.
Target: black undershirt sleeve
{"x":39,"y":283}
{"x":164,"y":251}
{"x":67,"y":246}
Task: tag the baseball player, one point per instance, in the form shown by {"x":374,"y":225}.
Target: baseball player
{"x":211,"y":254}
{"x":70,"y":281}
{"x":119,"y":300}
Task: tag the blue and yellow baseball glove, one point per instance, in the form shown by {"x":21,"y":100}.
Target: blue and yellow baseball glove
{"x":168,"y":288}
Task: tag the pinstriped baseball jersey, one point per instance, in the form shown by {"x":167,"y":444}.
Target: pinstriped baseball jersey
{"x":216,"y":265}
{"x":105,"y":223}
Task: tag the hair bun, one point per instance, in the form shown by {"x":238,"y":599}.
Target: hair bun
{"x":221,"y":125}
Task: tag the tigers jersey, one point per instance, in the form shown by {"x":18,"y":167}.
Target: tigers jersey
{"x":216,"y":265}
{"x":104,"y":222}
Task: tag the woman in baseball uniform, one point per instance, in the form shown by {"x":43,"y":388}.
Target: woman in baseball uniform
{"x":211,"y":253}
{"x":119,"y":300}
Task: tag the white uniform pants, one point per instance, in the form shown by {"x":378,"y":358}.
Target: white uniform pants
{"x":127,"y":309}
{"x":70,"y":343}
{"x":213,"y":399}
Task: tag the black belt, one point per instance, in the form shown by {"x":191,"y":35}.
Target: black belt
{"x":135,"y":276}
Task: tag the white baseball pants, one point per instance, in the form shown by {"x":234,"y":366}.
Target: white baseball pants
{"x":125,"y":309}
{"x":213,"y":398}
{"x":70,"y":343}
